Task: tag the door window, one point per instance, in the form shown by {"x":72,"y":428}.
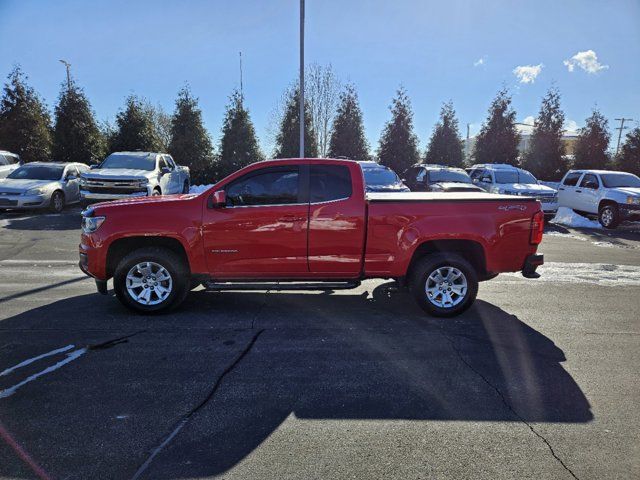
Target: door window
{"x":273,"y":186}
{"x":4,"y":161}
{"x":170,"y":162}
{"x":571,"y":180}
{"x":162,"y":163}
{"x":329,"y":182}
{"x":589,"y":181}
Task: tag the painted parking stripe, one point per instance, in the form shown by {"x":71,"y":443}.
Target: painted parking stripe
{"x":7,"y":392}
{"x":35,"y":359}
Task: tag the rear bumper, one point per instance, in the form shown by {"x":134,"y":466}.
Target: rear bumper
{"x":531,"y":263}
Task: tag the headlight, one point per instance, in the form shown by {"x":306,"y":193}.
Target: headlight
{"x":91,"y":224}
{"x":633,"y":200}
{"x":83,"y":182}
{"x":34,"y":191}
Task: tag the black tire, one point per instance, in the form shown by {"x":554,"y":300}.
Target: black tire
{"x":56,"y":203}
{"x":430,"y":264}
{"x":178,"y":271}
{"x":609,"y":216}
{"x":156,"y":192}
{"x":185,"y":187}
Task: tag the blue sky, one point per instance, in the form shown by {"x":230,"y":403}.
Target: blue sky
{"x":456,"y":50}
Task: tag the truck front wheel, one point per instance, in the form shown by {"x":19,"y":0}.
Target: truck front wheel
{"x":444,"y":284}
{"x":151,"y":280}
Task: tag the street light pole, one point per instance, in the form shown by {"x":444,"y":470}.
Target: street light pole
{"x":301,"y":78}
{"x":68,"y":66}
{"x":620,"y":128}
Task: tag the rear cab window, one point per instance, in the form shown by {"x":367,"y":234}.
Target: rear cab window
{"x":329,"y":183}
{"x":571,"y":180}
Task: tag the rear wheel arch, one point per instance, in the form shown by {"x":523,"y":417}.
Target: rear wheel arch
{"x":121,"y":247}
{"x":471,"y":250}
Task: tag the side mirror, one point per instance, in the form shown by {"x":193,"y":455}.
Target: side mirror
{"x":69,"y":177}
{"x":218,"y":199}
{"x":165,"y":170}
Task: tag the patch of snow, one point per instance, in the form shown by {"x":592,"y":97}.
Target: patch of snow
{"x":597,"y":273}
{"x":569,"y":218}
{"x":199,"y":188}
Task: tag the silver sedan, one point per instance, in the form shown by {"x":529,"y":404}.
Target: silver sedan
{"x":42,"y":185}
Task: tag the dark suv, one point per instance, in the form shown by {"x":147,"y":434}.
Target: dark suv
{"x":438,"y":178}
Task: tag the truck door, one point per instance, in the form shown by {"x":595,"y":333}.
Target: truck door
{"x":588,"y":193}
{"x":336,"y":221}
{"x":567,"y":190}
{"x":262,"y":231}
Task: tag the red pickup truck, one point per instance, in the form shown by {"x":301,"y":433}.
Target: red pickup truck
{"x":308,"y":224}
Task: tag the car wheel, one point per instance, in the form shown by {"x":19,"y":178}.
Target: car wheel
{"x":56,"y":204}
{"x":151,"y":280}
{"x":608,"y":216}
{"x":185,"y":187}
{"x":156,"y":192}
{"x":444,"y":284}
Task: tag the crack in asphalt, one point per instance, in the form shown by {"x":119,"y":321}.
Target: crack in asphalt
{"x":506,"y":403}
{"x":185,"y":419}
{"x":114,"y":341}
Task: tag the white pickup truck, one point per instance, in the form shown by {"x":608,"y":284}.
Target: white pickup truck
{"x":613,"y":196}
{"x":134,"y":174}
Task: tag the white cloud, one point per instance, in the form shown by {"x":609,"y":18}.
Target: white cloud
{"x":527,"y":73}
{"x":480,"y":62}
{"x":528,"y":128}
{"x":587,"y":61}
{"x":571,"y":126}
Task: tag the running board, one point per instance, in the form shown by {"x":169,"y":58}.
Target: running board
{"x":218,"y":286}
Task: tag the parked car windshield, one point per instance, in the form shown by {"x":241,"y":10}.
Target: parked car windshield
{"x":448,"y":176}
{"x":37,"y":172}
{"x":380,"y":176}
{"x":613,"y":180}
{"x":514,"y":176}
{"x":135,"y":162}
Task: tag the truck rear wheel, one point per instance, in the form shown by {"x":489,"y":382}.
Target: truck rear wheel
{"x":151,"y":280}
{"x":444,"y":284}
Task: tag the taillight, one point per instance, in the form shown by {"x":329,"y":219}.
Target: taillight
{"x":537,"y":228}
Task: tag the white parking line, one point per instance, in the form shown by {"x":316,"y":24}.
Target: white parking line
{"x":7,"y":392}
{"x":35,"y":359}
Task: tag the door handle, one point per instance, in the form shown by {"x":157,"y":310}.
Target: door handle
{"x":578,"y":191}
{"x":561,"y":188}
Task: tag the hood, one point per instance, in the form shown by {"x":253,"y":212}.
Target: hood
{"x":392,"y":187}
{"x":527,"y":187}
{"x":458,"y":187}
{"x":9,"y":185}
{"x":118,"y":174}
{"x":125,"y":202}
{"x":628,"y":190}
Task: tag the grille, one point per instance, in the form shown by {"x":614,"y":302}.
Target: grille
{"x":114,"y":190}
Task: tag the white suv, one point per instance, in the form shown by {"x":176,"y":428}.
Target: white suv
{"x":510,"y":180}
{"x":612,"y":196}
{"x":8,"y":162}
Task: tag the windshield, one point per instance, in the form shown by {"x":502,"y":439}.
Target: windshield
{"x":380,"y":176}
{"x":514,"y":176}
{"x":448,"y":176}
{"x":37,"y":172}
{"x":613,"y":180}
{"x":134,"y":162}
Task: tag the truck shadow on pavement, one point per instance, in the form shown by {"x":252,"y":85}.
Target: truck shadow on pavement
{"x":43,"y":220}
{"x":232,"y":367}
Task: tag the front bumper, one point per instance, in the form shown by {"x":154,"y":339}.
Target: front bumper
{"x":24,"y":201}
{"x":110,"y":196}
{"x":629,"y":211}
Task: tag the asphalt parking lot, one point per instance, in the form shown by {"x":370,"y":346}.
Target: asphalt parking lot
{"x":540,"y":379}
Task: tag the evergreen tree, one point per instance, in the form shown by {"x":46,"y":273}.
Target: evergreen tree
{"x":238,"y":145}
{"x":592,"y":143}
{"x":544,"y":158}
{"x":347,"y":137}
{"x":76,"y":136}
{"x":445,"y":146}
{"x":498,"y":139}
{"x":629,"y":158}
{"x":190,"y":143}
{"x":135,"y":128}
{"x":25,"y":125}
{"x":398,"y":147}
{"x":288,"y":138}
